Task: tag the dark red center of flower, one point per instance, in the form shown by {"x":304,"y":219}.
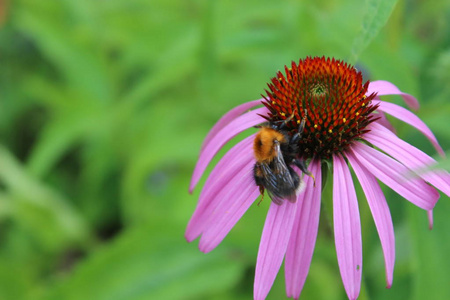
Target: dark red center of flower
{"x":332,"y":94}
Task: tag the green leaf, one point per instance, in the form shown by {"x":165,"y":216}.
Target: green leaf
{"x":148,"y":263}
{"x":42,"y":210}
{"x":430,"y":252}
{"x":15,"y":279}
{"x":375,"y":17}
{"x":74,"y":53}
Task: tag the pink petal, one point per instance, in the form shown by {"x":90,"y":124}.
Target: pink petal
{"x":222,"y":179}
{"x":410,"y":118}
{"x":384,"y":121}
{"x":274,"y":241}
{"x":347,"y":227}
{"x":380,"y":212}
{"x":236,"y":126}
{"x":227,"y":118}
{"x":382,"y":87}
{"x":304,"y":233}
{"x":430,"y":219}
{"x":408,"y":155}
{"x":392,"y":173}
{"x":230,"y":209}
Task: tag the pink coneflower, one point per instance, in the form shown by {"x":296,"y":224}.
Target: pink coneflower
{"x":345,"y":124}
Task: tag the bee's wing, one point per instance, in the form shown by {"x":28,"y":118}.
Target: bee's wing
{"x":279,"y":199}
{"x":278,"y":179}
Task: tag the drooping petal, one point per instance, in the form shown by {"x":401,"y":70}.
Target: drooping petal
{"x":382,"y":87}
{"x":430,"y":219}
{"x":236,"y":126}
{"x":392,"y":173}
{"x":229,"y":210}
{"x":380,"y":212}
{"x":272,"y":248}
{"x":408,"y":117}
{"x":234,"y":159}
{"x":227,"y":118}
{"x":384,"y":121}
{"x":408,"y":155}
{"x":237,"y":195}
{"x":347,"y":227}
{"x":304,"y":233}
{"x":222,"y":179}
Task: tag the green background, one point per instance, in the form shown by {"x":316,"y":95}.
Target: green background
{"x":103,"y":108}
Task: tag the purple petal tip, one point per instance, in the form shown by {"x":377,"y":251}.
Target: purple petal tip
{"x":430,"y":219}
{"x":204,"y":250}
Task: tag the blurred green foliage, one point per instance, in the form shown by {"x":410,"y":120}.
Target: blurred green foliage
{"x":103,"y":107}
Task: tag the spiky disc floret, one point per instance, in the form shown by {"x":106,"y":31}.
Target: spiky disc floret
{"x":334,"y":97}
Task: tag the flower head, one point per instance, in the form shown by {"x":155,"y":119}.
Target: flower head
{"x":327,"y":113}
{"x":334,"y":96}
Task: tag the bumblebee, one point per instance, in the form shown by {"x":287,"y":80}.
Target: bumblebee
{"x":275,"y":151}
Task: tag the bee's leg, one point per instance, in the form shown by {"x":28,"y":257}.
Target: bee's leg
{"x":301,"y":165}
{"x":302,"y":124}
{"x":261,"y":191}
{"x":279,"y":125}
{"x":298,"y":135}
{"x":259,"y":180}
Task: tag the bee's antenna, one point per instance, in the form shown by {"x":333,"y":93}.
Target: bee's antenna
{"x":302,"y":123}
{"x":291,"y":116}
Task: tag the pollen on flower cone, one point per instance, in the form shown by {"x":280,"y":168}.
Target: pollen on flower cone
{"x":332,"y":96}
